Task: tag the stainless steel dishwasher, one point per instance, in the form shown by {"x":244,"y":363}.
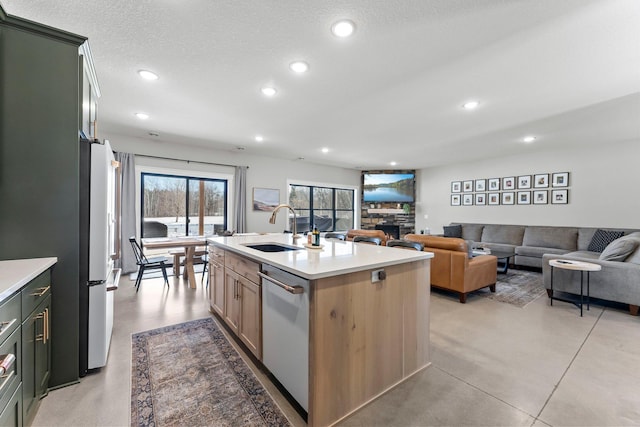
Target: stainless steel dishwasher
{"x":285,"y":330}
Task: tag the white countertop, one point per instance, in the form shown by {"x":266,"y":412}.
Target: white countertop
{"x":336,"y":257}
{"x":14,"y":274}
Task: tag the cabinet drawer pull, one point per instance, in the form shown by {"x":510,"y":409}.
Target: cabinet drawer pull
{"x":7,"y":361}
{"x":42,"y":291}
{"x":5,"y":326}
{"x":46,"y":325}
{"x":40,"y":337}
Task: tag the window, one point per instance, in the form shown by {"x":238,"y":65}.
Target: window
{"x":329,"y":209}
{"x":182,"y":206}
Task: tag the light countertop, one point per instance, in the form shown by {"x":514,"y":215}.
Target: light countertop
{"x":14,"y":274}
{"x":336,"y":257}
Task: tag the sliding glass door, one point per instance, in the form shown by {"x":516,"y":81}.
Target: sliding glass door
{"x":175,"y":206}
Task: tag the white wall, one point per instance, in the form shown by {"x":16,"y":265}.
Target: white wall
{"x":263,"y":172}
{"x":604,"y":189}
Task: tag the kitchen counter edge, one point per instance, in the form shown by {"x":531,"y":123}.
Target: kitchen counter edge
{"x":16,"y":273}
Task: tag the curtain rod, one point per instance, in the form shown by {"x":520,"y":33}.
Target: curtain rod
{"x":184,"y":160}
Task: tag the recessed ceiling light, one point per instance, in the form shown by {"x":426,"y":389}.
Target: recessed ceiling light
{"x":325,"y":150}
{"x":470,"y":105}
{"x":259,"y":138}
{"x":393,"y":163}
{"x":148,"y":75}
{"x":529,"y":139}
{"x":269,"y":91}
{"x":299,"y":67}
{"x":142,"y":116}
{"x":343,"y":28}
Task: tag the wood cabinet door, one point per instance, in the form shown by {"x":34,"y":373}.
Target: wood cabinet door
{"x":250,"y":316}
{"x":216,"y":287}
{"x":231,"y":299}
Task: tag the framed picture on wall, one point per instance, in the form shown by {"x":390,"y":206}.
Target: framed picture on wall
{"x":560,"y":179}
{"x":467,"y":199}
{"x":541,"y":180}
{"x":559,"y":197}
{"x":494,"y":198}
{"x":480,"y":184}
{"x":540,"y":197}
{"x":524,"y":197}
{"x":494,"y":184}
{"x":455,"y":200}
{"x":265,"y":199}
{"x":508,"y":198}
{"x":456,"y":186}
{"x":467,"y":186}
{"x":481,"y":199}
{"x":524,"y":181}
{"x":509,"y":183}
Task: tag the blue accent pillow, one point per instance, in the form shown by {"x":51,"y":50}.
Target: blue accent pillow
{"x":602,"y":238}
{"x":452,"y":231}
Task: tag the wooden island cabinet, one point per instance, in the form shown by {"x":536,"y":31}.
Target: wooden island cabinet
{"x":368,"y":315}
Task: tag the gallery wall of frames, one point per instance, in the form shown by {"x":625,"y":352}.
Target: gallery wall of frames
{"x":536,"y":189}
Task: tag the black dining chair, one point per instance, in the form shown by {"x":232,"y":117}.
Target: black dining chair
{"x":145,"y":263}
{"x":405,"y":244}
{"x":367,"y":239}
{"x":332,"y":235}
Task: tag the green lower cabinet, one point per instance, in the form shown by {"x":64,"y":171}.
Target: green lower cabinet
{"x":36,"y":358}
{"x":12,"y":413}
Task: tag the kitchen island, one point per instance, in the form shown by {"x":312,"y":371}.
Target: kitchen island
{"x":337,"y":326}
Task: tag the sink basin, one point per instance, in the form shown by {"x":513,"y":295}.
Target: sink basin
{"x":272,"y":247}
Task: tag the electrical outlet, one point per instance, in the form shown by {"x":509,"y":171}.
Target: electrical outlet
{"x":377,"y":275}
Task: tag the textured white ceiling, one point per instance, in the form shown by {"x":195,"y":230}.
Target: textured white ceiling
{"x":567,"y":71}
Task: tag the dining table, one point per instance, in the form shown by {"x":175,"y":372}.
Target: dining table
{"x":189,"y":243}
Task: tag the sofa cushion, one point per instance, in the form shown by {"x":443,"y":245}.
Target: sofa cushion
{"x":453,"y":231}
{"x":507,"y":234}
{"x":619,"y":249}
{"x":535,"y":251}
{"x":602,"y":238}
{"x":551,"y":237}
{"x":472,"y":232}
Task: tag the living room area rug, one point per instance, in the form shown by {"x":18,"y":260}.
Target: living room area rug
{"x":190,"y":375}
{"x":517,"y":287}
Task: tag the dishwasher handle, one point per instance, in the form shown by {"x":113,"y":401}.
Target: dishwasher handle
{"x":290,"y":289}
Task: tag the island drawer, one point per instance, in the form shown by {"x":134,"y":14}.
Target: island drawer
{"x":243,"y":266}
{"x":217,"y":255}
{"x":35,"y":292}
{"x":10,"y":316}
{"x":12,"y":376}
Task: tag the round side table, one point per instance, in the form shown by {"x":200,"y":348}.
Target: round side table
{"x":582,"y":267}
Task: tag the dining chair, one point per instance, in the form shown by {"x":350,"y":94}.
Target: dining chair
{"x":332,"y":235}
{"x":405,"y":244}
{"x":368,"y":240}
{"x":145,"y":263}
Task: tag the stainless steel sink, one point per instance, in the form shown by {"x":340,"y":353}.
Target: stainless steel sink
{"x":272,"y":247}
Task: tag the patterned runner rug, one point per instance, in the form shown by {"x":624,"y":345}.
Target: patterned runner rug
{"x":190,"y":375}
{"x":517,"y":287}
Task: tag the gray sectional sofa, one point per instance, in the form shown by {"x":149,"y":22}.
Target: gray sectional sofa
{"x":534,"y":246}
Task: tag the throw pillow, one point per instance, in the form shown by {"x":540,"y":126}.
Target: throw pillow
{"x":452,"y":231}
{"x":602,"y":238}
{"x":618,"y":250}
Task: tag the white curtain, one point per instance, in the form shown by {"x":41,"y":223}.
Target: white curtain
{"x":127,"y":259}
{"x":240,"y":198}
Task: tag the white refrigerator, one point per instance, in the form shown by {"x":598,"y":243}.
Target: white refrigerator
{"x":98,"y":277}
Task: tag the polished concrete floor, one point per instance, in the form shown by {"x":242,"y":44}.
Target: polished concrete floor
{"x":494,"y":364}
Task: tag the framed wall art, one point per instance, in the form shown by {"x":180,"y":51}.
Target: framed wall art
{"x":494,"y":184}
{"x":559,"y":197}
{"x":524,"y":197}
{"x":455,"y":200}
{"x":265,"y":199}
{"x":508,"y":198}
{"x":524,"y":181}
{"x":541,"y":180}
{"x":560,"y":179}
{"x":481,"y":184}
{"x":509,"y":183}
{"x":467,"y":186}
{"x":481,"y":199}
{"x":467,"y":199}
{"x":494,"y":198}
{"x":540,"y":197}
{"x":456,"y":186}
